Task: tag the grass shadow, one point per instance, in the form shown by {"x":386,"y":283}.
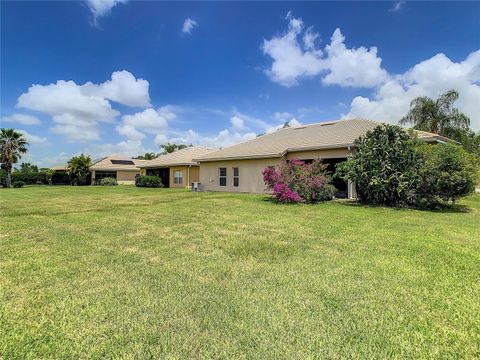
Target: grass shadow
{"x":455,"y":208}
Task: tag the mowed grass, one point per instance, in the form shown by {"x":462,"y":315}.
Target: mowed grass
{"x":122,"y":272}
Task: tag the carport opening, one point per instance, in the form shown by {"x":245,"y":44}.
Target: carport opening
{"x":341,"y":185}
{"x":162,"y":173}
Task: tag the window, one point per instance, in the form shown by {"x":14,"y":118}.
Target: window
{"x":222,"y":175}
{"x":235,"y":177}
{"x":178,"y":177}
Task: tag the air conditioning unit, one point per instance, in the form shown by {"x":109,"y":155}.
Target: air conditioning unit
{"x":195,"y":186}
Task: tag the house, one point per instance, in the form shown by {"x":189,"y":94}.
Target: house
{"x":238,"y":168}
{"x":122,"y":168}
{"x":176,"y":169}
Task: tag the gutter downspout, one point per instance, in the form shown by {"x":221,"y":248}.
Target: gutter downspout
{"x":188,"y":176}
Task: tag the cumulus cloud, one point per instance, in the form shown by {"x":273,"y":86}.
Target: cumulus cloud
{"x":77,"y":110}
{"x":128,"y":148}
{"x":431,"y":77}
{"x":34,"y":139}
{"x":295,"y":56}
{"x":188,"y":26}
{"x":238,"y":124}
{"x":150,"y":121}
{"x":100,"y":8}
{"x":123,"y":88}
{"x":21,"y":119}
{"x":224,"y":138}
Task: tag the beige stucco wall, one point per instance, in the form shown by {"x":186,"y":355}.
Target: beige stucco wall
{"x":250,"y":171}
{"x":190,"y":174}
{"x":250,"y":175}
{"x":126,"y":177}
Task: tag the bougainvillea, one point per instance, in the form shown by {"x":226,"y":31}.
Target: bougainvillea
{"x":282,"y":193}
{"x":297,"y":181}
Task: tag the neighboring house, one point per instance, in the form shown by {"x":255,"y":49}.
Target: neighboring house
{"x":60,"y":176}
{"x":122,"y":168}
{"x":177,"y":169}
{"x":238,"y":168}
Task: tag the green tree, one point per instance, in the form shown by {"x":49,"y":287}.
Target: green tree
{"x":28,"y":168}
{"x":49,"y":175}
{"x":468,"y":138}
{"x":78,"y":168}
{"x":12,"y":146}
{"x":436,"y":116}
{"x":383,"y":166}
{"x":448,"y":172}
{"x":147,"y":156}
{"x":170,"y":147}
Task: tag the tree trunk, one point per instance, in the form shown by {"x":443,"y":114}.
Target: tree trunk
{"x":9,"y":179}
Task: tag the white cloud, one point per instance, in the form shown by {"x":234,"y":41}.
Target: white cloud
{"x":238,"y":124}
{"x":222,"y":139}
{"x":150,"y":120}
{"x":431,"y":77}
{"x":282,"y":116}
{"x":77,"y":110}
{"x":188,"y":26}
{"x":290,"y":60}
{"x":397,"y":6}
{"x":21,"y":119}
{"x":128,"y":148}
{"x":123,"y":88}
{"x":130,"y":132}
{"x":295,"y":57}
{"x":160,"y":139}
{"x":59,"y":159}
{"x":352,"y":67}
{"x":34,"y":139}
{"x":101,"y":8}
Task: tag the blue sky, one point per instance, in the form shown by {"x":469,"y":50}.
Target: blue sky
{"x":106,"y":77}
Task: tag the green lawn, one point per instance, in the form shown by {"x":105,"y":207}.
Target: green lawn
{"x":121,"y":272}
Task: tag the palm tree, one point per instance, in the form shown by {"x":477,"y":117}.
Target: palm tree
{"x":436,"y":116}
{"x":78,"y":168}
{"x":12,"y":145}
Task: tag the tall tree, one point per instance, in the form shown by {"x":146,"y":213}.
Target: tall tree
{"x":12,"y":145}
{"x":78,"y":168}
{"x":436,"y":116}
{"x":147,"y":156}
{"x":170,"y":147}
{"x":28,"y":167}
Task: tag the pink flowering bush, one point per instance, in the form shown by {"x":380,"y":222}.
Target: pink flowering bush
{"x":282,"y":193}
{"x":295,"y":181}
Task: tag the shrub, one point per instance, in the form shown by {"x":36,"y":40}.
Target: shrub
{"x":296,"y":181}
{"x":107,"y":181}
{"x":18,"y":184}
{"x":384,"y":166}
{"x":391,"y":167}
{"x":447,"y":173}
{"x":29,"y":177}
{"x":282,"y":193}
{"x":148,"y":181}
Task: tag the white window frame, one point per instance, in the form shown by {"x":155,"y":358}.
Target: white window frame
{"x":178,"y":180}
{"x":220,"y":176}
{"x":236,"y":177}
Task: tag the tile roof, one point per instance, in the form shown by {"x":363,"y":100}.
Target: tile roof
{"x":324,"y":135}
{"x":107,"y":164}
{"x":179,"y":157}
{"x":331,"y":134}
